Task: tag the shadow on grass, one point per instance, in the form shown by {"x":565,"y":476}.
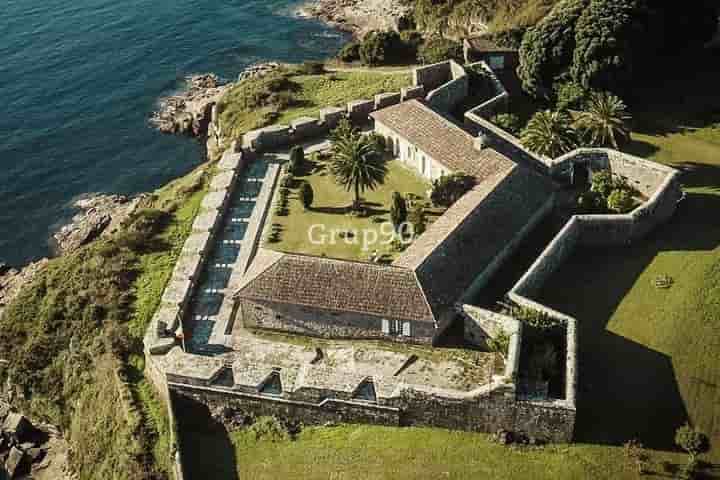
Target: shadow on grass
{"x":205,"y":445}
{"x":626,"y":389}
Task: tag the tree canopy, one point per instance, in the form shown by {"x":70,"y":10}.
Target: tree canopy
{"x":603,"y":44}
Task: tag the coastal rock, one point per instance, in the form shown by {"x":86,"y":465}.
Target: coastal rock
{"x":13,"y":462}
{"x":190,"y":111}
{"x":97,"y":214}
{"x":360,"y":16}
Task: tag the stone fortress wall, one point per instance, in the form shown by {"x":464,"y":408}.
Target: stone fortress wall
{"x":487,"y":408}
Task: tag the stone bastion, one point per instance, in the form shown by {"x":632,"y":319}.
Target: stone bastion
{"x":365,"y":382}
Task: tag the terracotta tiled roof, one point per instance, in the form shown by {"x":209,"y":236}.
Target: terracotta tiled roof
{"x":336,"y":285}
{"x":441,"y":139}
{"x":465,"y":241}
{"x":484,"y":44}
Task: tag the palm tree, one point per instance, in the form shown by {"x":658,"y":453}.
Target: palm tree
{"x":550,"y":133}
{"x":604,"y":121}
{"x":356,"y":165}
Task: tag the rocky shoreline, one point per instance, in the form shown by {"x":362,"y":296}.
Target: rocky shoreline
{"x":31,"y":451}
{"x":360,"y":16}
{"x":99,"y":215}
{"x":190,"y":111}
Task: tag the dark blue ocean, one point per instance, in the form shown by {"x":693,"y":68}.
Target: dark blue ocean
{"x":79,"y":80}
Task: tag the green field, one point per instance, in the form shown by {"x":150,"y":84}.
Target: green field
{"x":330,"y":210}
{"x":350,"y":452}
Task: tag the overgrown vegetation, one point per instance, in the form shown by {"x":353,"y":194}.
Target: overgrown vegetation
{"x":448,"y":189}
{"x":610,"y":45}
{"x":75,"y":339}
{"x":406,"y":47}
{"x":289,"y":93}
{"x":608,"y":193}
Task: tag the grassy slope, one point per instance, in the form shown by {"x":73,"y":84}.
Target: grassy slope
{"x":336,"y":89}
{"x":282,"y":97}
{"x":328,"y":210}
{"x":75,"y":334}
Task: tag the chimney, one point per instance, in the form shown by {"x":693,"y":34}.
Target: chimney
{"x":481,"y":142}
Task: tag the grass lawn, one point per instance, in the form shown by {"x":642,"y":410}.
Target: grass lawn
{"x":330,"y":211}
{"x":388,"y":453}
{"x":337,"y":88}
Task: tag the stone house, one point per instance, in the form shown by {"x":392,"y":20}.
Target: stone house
{"x":483,"y":49}
{"x":413,"y":299}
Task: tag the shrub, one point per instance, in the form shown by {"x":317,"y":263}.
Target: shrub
{"x":379,"y":48}
{"x":620,"y":201}
{"x":350,"y":52}
{"x":343,"y":131}
{"x":297,"y":159}
{"x":570,"y":95}
{"x":417,"y":219}
{"x":439,"y":49}
{"x":378,"y":142}
{"x":398,"y":210}
{"x":692,"y":441}
{"x":447,"y":189}
{"x":592,"y":202}
{"x":499,"y":344}
{"x":546,"y":51}
{"x":306,"y":195}
{"x":310,"y":67}
{"x":508,"y":122}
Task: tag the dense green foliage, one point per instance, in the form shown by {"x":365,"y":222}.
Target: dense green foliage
{"x":547,"y":49}
{"x":608,"y":193}
{"x":438,"y":49}
{"x":297,"y":159}
{"x":356,"y":164}
{"x":508,"y":122}
{"x":550,"y":133}
{"x":604,"y":122}
{"x":463,"y":18}
{"x":609,"y":45}
{"x":307,"y":195}
{"x":75,"y":339}
{"x":398,"y":210}
{"x":448,"y":189}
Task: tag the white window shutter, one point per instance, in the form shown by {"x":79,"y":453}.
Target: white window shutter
{"x":406,"y":329}
{"x":386,"y":326}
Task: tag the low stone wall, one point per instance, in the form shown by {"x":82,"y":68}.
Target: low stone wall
{"x":500,"y":99}
{"x":242,"y":404}
{"x":160,"y":336}
{"x":597,"y":230}
{"x":158,"y":379}
{"x":447,"y":95}
{"x":502,"y":141}
{"x":480,"y":324}
{"x":320,"y":323}
{"x":432,"y":76}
